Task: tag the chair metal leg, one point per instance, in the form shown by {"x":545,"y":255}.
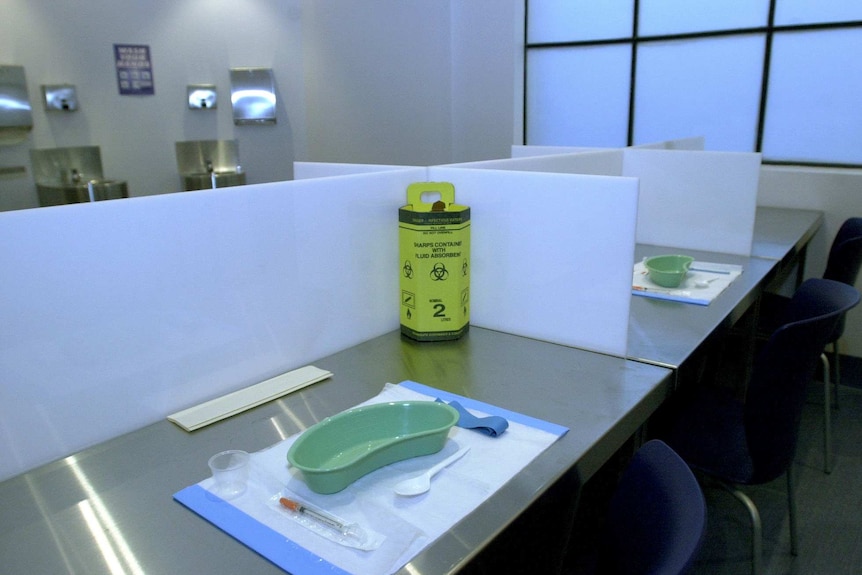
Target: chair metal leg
{"x":836,"y":369}
{"x":756,"y":528}
{"x":827,"y":415}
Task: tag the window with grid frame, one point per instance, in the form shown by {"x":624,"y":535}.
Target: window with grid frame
{"x":780,"y":77}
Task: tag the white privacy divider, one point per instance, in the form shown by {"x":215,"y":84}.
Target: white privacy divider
{"x":551,"y":254}
{"x":695,"y":199}
{"x":117,"y":313}
{"x":689,"y":199}
{"x":696,"y":143}
{"x":524,"y":151}
{"x":306,"y":170}
{"x":608,"y":162}
{"x":692,"y":143}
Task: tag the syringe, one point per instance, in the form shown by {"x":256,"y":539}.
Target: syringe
{"x":351,"y":531}
{"x":317,"y":514}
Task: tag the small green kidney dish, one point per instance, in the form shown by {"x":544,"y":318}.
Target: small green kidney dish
{"x":668,"y":270}
{"x":340,"y":449}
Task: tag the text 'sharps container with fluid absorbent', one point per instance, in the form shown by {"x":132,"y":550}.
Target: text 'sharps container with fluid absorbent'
{"x":434,"y":245}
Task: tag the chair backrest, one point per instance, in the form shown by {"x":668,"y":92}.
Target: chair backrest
{"x":777,"y":392}
{"x":845,"y":260}
{"x":657,"y":515}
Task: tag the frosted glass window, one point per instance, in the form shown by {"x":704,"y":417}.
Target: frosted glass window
{"x":815,"y":96}
{"x":576,"y":20}
{"x":661,"y":17}
{"x":578,"y":96}
{"x":793,"y":12}
{"x":703,"y":87}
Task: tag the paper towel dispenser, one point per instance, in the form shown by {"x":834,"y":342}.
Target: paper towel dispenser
{"x":16,"y":114}
{"x":252,"y":96}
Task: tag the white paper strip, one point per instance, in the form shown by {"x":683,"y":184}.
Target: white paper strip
{"x":243,"y":399}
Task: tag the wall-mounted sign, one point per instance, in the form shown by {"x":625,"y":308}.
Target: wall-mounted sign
{"x":134,"y":70}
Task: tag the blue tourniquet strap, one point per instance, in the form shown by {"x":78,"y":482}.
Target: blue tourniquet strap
{"x":492,"y":425}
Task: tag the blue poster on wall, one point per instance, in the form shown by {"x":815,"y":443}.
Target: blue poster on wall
{"x":134,"y":70}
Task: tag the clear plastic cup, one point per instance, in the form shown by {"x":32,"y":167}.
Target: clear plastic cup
{"x":230,"y":472}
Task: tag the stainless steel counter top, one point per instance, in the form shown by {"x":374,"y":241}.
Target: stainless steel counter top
{"x":783,"y":234}
{"x":670,"y":333}
{"x":109,"y":508}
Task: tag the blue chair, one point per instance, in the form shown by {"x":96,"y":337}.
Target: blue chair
{"x":753,"y":441}
{"x":843,"y":265}
{"x":656,"y":518}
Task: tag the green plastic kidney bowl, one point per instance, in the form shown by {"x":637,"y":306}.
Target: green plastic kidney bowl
{"x":340,"y":449}
{"x":668,"y":271}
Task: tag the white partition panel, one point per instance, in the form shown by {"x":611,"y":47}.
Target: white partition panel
{"x":551,"y":254}
{"x":689,"y":199}
{"x":117,"y":313}
{"x":694,"y":143}
{"x":522,"y":151}
{"x":608,"y":162}
{"x":306,"y":170}
{"x":694,"y":199}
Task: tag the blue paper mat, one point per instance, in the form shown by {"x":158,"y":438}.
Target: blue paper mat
{"x":285,"y":553}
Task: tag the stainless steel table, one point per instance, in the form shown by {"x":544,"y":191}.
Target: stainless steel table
{"x":783,"y":234}
{"x":672,"y":334}
{"x":108,"y":509}
{"x":668,"y":333}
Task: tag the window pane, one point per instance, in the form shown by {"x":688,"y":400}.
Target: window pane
{"x":789,"y":12}
{"x":660,"y":17}
{"x":705,"y":87}
{"x":578,"y":96}
{"x":815,"y":90}
{"x":574,"y":20}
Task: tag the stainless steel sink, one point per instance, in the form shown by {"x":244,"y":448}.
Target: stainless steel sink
{"x":207,"y":164}
{"x":208,"y":180}
{"x":55,"y":195}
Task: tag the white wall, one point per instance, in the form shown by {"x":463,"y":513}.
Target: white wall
{"x":191,"y":42}
{"x":408,"y":82}
{"x":412,"y":82}
{"x":379,"y":82}
{"x":487,"y":79}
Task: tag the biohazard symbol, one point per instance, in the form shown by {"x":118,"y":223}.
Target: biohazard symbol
{"x":407,"y":270}
{"x":439,"y":273}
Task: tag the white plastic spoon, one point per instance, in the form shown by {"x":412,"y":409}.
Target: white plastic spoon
{"x":422,"y":483}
